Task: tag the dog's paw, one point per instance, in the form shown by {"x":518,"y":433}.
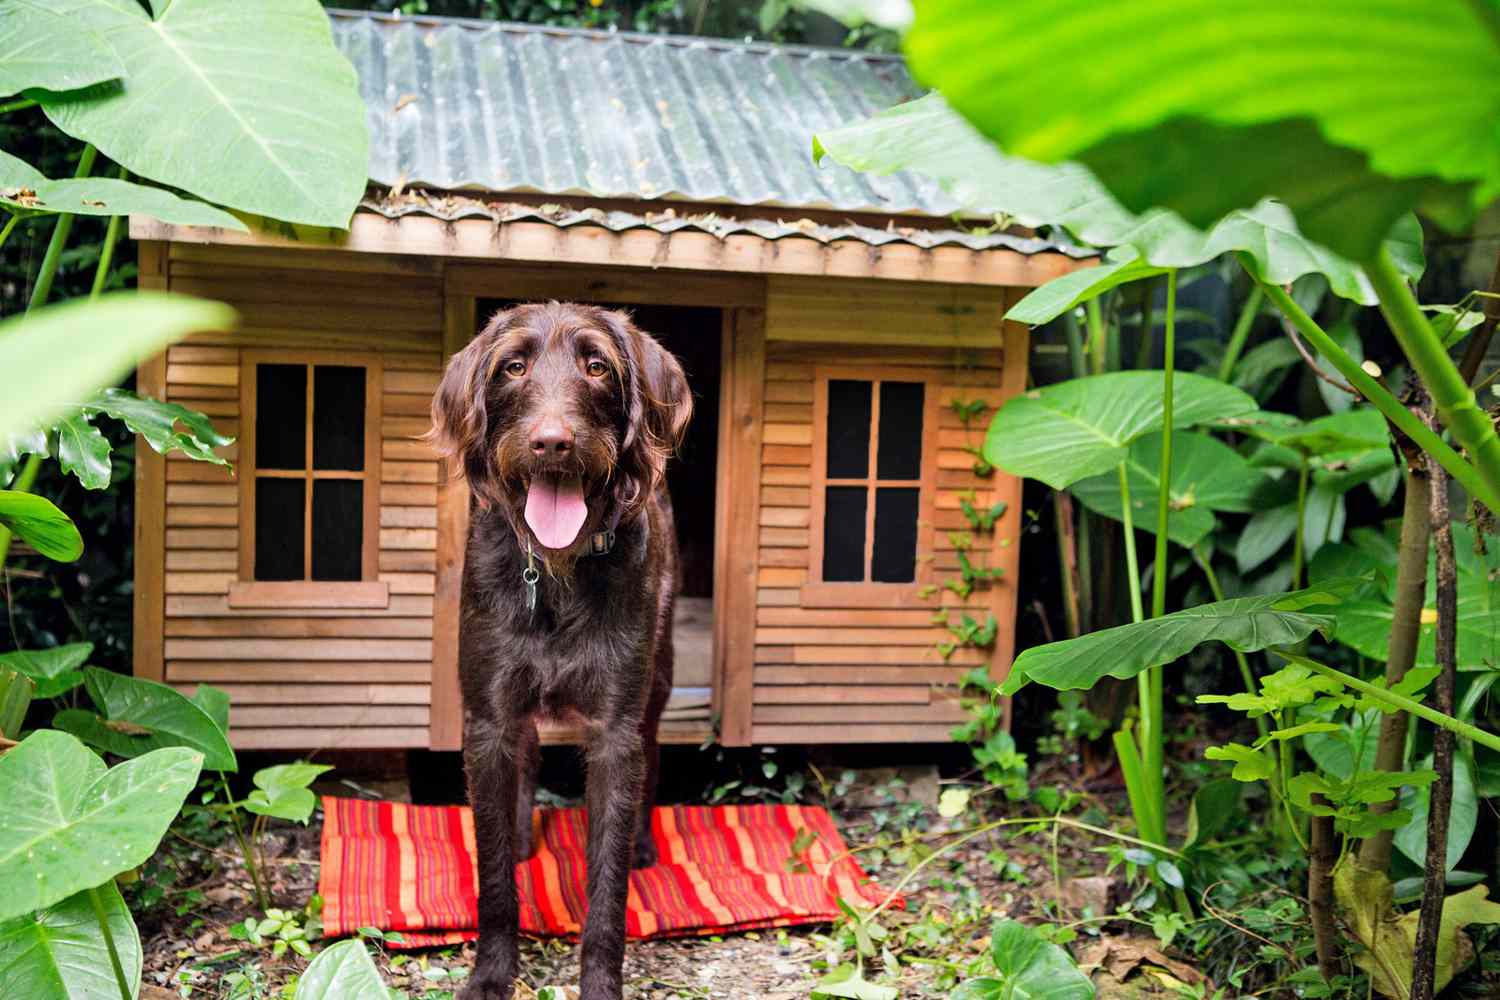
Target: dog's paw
{"x":487,"y":988}
{"x":645,"y":854}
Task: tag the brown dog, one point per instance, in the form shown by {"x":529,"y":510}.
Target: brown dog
{"x":562,"y":417}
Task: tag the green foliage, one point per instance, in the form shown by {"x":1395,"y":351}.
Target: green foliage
{"x":1272,"y":116}
{"x":278,"y":126}
{"x":59,"y":952}
{"x":25,"y":191}
{"x":282,"y":791}
{"x":104,"y":340}
{"x":1084,"y":427}
{"x":136,"y":716}
{"x":37,"y":521}
{"x":343,"y":971}
{"x":71,"y":823}
{"x":282,"y":930}
{"x":16,"y":693}
{"x":1047,"y":302}
{"x":1207,"y":476}
{"x":1027,"y":967}
{"x":1242,"y":623}
{"x":54,"y":671}
{"x":928,"y":137}
{"x":41,"y":47}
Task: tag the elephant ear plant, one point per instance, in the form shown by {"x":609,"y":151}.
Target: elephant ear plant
{"x":1273,"y":165}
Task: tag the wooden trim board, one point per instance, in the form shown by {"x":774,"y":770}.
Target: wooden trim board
{"x":149,"y":610}
{"x":687,"y":250}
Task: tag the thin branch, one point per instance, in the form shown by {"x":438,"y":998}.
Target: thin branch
{"x":1312,"y":362}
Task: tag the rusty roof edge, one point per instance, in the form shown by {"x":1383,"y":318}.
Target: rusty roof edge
{"x":454,"y":207}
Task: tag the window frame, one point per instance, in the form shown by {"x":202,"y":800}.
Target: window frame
{"x":827,"y":593}
{"x":368,"y":591}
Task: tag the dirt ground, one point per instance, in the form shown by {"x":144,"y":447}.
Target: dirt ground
{"x":956,"y":896}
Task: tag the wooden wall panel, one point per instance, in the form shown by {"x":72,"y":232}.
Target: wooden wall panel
{"x":301,"y":678}
{"x":861,"y":667}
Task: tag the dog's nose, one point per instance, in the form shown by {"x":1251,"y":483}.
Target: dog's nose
{"x":551,"y":439}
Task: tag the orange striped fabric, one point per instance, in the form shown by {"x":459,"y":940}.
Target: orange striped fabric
{"x":722,"y":868}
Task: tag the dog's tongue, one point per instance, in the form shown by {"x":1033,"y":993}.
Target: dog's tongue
{"x":555,"y":510}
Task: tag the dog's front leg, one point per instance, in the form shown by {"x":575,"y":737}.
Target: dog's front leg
{"x":615,"y":771}
{"x":490,"y":761}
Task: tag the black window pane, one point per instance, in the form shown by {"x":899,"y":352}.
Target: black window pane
{"x":899,"y":445}
{"x":338,"y":529}
{"x":894,"y":559}
{"x":281,"y":416}
{"x":848,"y":429}
{"x":338,"y":417}
{"x":278,"y":528}
{"x":844,"y":533}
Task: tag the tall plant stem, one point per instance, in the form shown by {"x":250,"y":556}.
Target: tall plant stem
{"x":1322,"y":856}
{"x":1067,"y":551}
{"x":9,"y":227}
{"x":1098,"y":337}
{"x":1397,"y":701}
{"x":26,"y":478}
{"x":1298,"y":544}
{"x":246,"y":849}
{"x":106,"y":254}
{"x":1132,"y":567}
{"x":1242,"y":327}
{"x":1153,"y":712}
{"x":1406,"y":630}
{"x":1381,"y":397}
{"x":126,"y":991}
{"x":60,"y":232}
{"x":1215,"y":588}
{"x":1138,"y":785}
{"x":1440,"y":797}
{"x":1451,"y":395}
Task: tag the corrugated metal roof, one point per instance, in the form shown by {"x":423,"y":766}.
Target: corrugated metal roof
{"x":516,"y":108}
{"x":665,"y":219}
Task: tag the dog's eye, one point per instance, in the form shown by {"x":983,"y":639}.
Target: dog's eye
{"x":597,"y":369}
{"x":515,"y":369}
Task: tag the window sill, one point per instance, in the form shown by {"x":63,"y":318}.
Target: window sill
{"x":309,"y":594}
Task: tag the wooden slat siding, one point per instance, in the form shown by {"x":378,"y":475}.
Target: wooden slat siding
{"x":742,"y":388}
{"x":460,"y":323}
{"x":323,"y":694}
{"x":150,"y":499}
{"x":284,"y":659}
{"x":837,"y":664}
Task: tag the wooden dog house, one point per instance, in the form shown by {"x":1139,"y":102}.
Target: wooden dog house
{"x":828,"y":322}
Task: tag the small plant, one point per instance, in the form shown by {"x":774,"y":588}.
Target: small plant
{"x":283,"y":930}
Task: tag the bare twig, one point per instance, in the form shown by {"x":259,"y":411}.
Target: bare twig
{"x":1312,"y":362}
{"x":1440,"y":798}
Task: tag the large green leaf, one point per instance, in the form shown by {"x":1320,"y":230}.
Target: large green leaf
{"x":37,"y":521}
{"x":137,"y":716}
{"x":1029,"y":967}
{"x":59,"y":953}
{"x":1463,"y":815}
{"x":158,"y":423}
{"x":99,"y":341}
{"x":343,"y":971}
{"x":1066,"y":432}
{"x":282,"y":791}
{"x":249,"y":105}
{"x":54,"y":671}
{"x":16,"y":444}
{"x":1203,"y":107}
{"x":71,"y":824}
{"x":83,"y":450}
{"x":1047,"y":302}
{"x":1243,"y":623}
{"x":1207,"y":475}
{"x":1263,"y":536}
{"x":25,"y":191}
{"x":928,"y":137}
{"x":16,"y":692}
{"x":1365,"y":623}
{"x":42,"y":48}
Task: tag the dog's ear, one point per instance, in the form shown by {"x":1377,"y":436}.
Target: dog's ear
{"x":460,"y":417}
{"x":658,"y":404}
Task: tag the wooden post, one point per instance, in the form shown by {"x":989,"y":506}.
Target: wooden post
{"x":150,"y":499}
{"x":736,"y":552}
{"x":447,"y":719}
{"x":1003,"y":592}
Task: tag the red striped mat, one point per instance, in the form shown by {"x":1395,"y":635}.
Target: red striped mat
{"x":722,"y":868}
